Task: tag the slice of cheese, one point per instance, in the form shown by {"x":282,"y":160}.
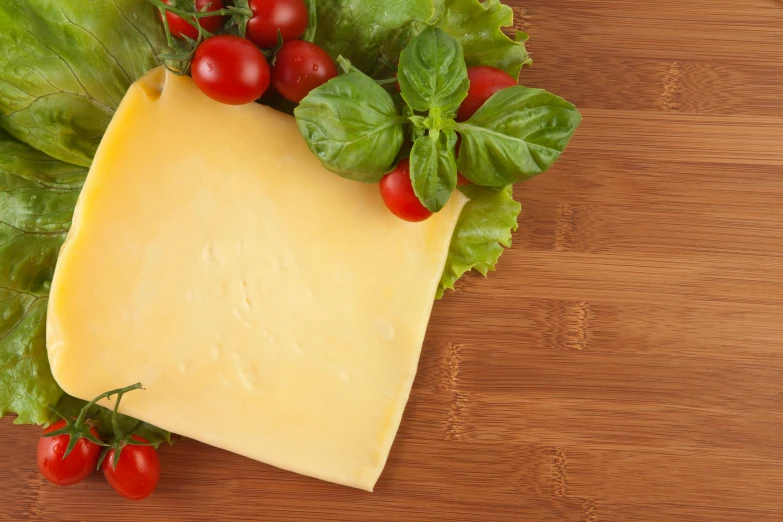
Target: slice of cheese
{"x":269,"y":307}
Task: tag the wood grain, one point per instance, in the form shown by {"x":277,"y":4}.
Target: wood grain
{"x":625,"y":362}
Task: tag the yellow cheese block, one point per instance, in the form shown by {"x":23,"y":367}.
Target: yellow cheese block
{"x":269,"y":307}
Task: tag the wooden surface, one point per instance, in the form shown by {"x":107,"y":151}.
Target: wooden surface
{"x":626,"y":362}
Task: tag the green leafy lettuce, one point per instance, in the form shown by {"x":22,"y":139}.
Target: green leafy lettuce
{"x":483,"y":231}
{"x":372,"y":34}
{"x":66,"y":65}
{"x":477,"y":26}
{"x":312,"y":21}
{"x":37,"y":198}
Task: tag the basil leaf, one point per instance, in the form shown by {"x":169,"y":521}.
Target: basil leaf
{"x":351,"y":124}
{"x":66,"y":65}
{"x":371,"y":34}
{"x":483,"y":231}
{"x":516,"y":135}
{"x":434,"y":169}
{"x":478,"y":27}
{"x":37,"y":198}
{"x":433,"y":74}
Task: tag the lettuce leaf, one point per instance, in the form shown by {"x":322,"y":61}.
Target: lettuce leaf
{"x":372,"y":35}
{"x":478,"y":27}
{"x":66,"y":65}
{"x":483,"y":231}
{"x":37,"y":197}
{"x":312,"y":20}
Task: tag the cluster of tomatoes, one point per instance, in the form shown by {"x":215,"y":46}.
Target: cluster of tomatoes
{"x":396,"y":187}
{"x":234,"y":70}
{"x":135,"y":474}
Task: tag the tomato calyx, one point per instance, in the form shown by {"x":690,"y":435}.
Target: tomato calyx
{"x":271,"y":54}
{"x":75,"y":429}
{"x":193,"y":18}
{"x":118,"y":444}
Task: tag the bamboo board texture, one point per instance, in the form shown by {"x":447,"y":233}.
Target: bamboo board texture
{"x":625,"y":363}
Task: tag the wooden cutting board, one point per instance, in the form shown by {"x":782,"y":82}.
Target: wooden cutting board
{"x":626,"y":361}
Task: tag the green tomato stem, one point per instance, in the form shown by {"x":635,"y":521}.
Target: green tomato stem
{"x":186,"y":15}
{"x":193,"y":18}
{"x":119,"y":392}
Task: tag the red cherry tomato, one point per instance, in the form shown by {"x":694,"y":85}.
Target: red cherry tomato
{"x":137,"y":473}
{"x":397,"y":193}
{"x":462,"y":180}
{"x":231,"y":70}
{"x":289,"y":17}
{"x":180,"y":27}
{"x":484,"y":82}
{"x":71,"y":470}
{"x":299,"y":68}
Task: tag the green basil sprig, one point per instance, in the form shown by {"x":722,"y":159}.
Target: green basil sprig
{"x":352,"y":124}
{"x":433,"y":80}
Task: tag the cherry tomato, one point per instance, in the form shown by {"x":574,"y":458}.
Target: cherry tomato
{"x":484,"y":82}
{"x":231,"y":70}
{"x":71,"y":470}
{"x":289,"y":17}
{"x":180,"y":27}
{"x":462,"y":180}
{"x":299,"y":68}
{"x":397,"y":193}
{"x":137,"y":473}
